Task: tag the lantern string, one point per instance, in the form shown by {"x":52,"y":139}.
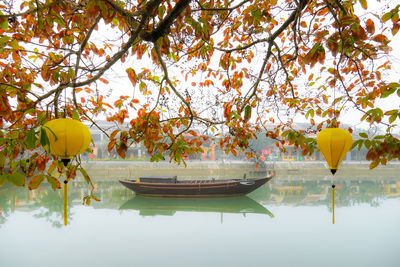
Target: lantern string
{"x":65,"y":103}
{"x":65,"y":202}
{"x":333,"y":204}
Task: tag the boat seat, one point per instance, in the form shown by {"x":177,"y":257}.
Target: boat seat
{"x":158,"y":179}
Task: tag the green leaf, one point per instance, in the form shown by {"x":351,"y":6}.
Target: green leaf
{"x":364,"y":4}
{"x":3,"y":22}
{"x":55,"y":184}
{"x":60,"y":21}
{"x":161,"y":11}
{"x":52,"y":167}
{"x":358,"y":143}
{"x":36,"y":181}
{"x":3,"y":41}
{"x":386,"y":16}
{"x":41,"y":117}
{"x":172,"y":56}
{"x":3,"y":179}
{"x":44,"y":139}
{"x":392,"y":118}
{"x":30,"y":139}
{"x":16,"y":178}
{"x":85,"y":175}
{"x":363,"y":135}
{"x":75,"y":114}
{"x":2,"y":159}
{"x":311,"y":113}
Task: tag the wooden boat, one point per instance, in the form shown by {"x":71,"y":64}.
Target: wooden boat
{"x":169,"y":186}
{"x":154,"y":206}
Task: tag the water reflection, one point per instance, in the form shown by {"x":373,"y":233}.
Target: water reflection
{"x":151,"y":206}
{"x":47,"y":204}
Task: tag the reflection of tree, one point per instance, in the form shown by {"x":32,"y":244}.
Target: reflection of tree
{"x":5,"y":210}
{"x":49,"y":204}
{"x":318,"y":192}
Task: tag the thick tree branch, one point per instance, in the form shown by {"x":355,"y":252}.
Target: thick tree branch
{"x":164,"y":26}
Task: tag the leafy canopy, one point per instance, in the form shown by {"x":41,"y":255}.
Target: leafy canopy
{"x":178,"y":72}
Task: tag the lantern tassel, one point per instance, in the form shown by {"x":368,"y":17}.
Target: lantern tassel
{"x":333,"y":204}
{"x":65,"y":202}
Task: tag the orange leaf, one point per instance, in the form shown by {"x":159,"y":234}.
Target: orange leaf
{"x":36,"y":181}
{"x":103,"y":80}
{"x":370,"y":26}
{"x":121,"y":150}
{"x":111,"y":145}
{"x":113,"y":134}
{"x":380,"y":38}
{"x":395,"y":28}
{"x":132,"y":76}
{"x":40,"y":164}
{"x":192,"y":133}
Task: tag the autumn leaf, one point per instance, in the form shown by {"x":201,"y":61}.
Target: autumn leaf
{"x":55,"y":184}
{"x":103,"y":80}
{"x":370,"y":26}
{"x":36,"y":181}
{"x":111,"y":145}
{"x":132,"y":76}
{"x":395,"y":28}
{"x":380,"y":38}
{"x":364,"y":4}
{"x":121,"y":149}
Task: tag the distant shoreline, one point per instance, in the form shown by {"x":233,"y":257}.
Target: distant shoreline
{"x":207,"y":169}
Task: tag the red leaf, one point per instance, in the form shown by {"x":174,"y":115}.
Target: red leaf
{"x":132,"y":76}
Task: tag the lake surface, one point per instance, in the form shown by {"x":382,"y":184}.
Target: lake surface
{"x":285,"y":223}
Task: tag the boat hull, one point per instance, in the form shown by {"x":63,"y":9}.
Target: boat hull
{"x":207,"y":188}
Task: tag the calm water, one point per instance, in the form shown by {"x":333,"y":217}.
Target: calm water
{"x":285,"y":223}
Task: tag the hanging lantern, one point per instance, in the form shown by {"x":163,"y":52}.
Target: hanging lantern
{"x":334,"y":143}
{"x":67,"y":138}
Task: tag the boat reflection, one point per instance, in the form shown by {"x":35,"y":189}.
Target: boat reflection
{"x":47,"y":204}
{"x":151,"y":206}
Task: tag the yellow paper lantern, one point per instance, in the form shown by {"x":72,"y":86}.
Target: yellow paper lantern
{"x":67,"y":138}
{"x":334,"y":143}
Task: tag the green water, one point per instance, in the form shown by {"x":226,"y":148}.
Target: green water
{"x":285,"y":223}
